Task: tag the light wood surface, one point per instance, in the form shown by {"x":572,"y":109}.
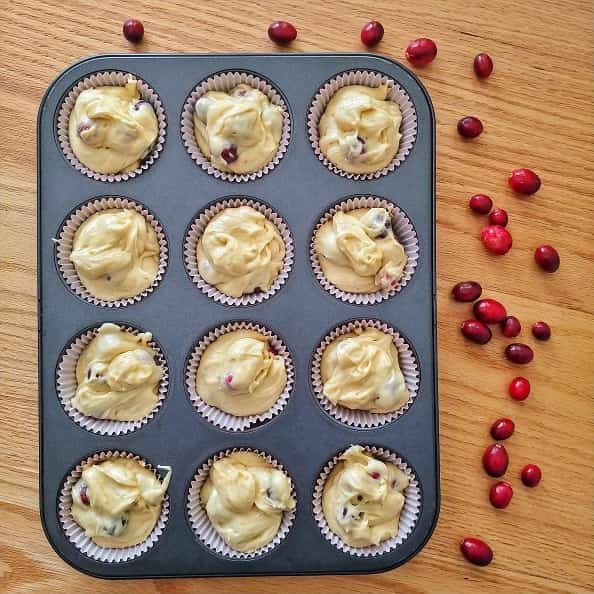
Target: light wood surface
{"x":537,"y":112}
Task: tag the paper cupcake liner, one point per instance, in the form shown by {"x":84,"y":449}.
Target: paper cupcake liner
{"x":362,"y":418}
{"x":408,"y":516}
{"x":404,"y":232}
{"x":66,"y":386}
{"x":102,"y":79}
{"x":225,"y":82}
{"x":218,"y":417}
{"x":76,"y":535}
{"x":195,"y":232}
{"x":65,"y":242}
{"x":408,"y":126}
{"x":202,"y":526}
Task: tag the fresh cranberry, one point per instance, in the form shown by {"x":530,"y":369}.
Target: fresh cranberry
{"x":489,"y":311}
{"x":511,"y":327}
{"x":496,"y":239}
{"x":483,"y":65}
{"x":519,"y":353}
{"x":421,"y":52}
{"x":133,"y":30}
{"x":498,"y":217}
{"x":476,"y":331}
{"x":524,"y":181}
{"x":229,"y":154}
{"x":470,"y":127}
{"x":84,"y":494}
{"x":541,"y":330}
{"x":500,"y":494}
{"x":375,"y":475}
{"x":531,"y":475}
{"x":282,"y":32}
{"x":519,"y":388}
{"x":372,"y":33}
{"x":495,"y":460}
{"x":476,"y":551}
{"x":480,"y":203}
{"x":467,"y":291}
{"x":547,"y":258}
{"x":502,"y":429}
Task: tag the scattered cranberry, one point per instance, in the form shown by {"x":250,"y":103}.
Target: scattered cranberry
{"x":483,"y":65}
{"x":541,"y":330}
{"x":372,"y":33}
{"x":470,"y":127}
{"x":476,"y":551}
{"x":511,"y":327}
{"x":496,"y":239}
{"x":519,"y":388}
{"x":547,"y":258}
{"x":480,"y":203}
{"x":467,"y":291}
{"x":421,"y":52}
{"x":489,"y":311}
{"x":229,"y":154}
{"x":84,"y":494}
{"x":500,"y":494}
{"x":228,"y":379}
{"x":495,"y":460}
{"x":502,"y":429}
{"x":519,"y":353}
{"x":531,"y":475}
{"x":375,"y":475}
{"x":282,"y":32}
{"x":524,"y":181}
{"x":498,"y":217}
{"x":133,"y":30}
{"x":476,"y":331}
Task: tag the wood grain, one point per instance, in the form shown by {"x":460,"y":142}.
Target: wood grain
{"x":537,"y":111}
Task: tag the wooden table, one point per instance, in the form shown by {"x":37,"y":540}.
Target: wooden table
{"x":537,"y":112}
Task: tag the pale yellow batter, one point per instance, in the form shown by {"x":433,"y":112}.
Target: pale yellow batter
{"x":117,"y":376}
{"x":245,"y":498}
{"x":116,"y":254}
{"x":363,"y":498}
{"x":239,"y":374}
{"x":111,"y":129}
{"x":240,"y":130}
{"x":360,"y":371}
{"x":358,"y":251}
{"x":118,"y":502}
{"x":359,"y":129}
{"x":240,"y":252}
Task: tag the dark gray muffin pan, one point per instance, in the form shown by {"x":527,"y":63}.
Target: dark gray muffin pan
{"x":302,"y":437}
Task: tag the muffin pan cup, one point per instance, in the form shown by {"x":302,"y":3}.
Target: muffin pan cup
{"x":303,"y":437}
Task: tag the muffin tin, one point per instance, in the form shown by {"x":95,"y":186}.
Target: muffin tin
{"x":303,"y":437}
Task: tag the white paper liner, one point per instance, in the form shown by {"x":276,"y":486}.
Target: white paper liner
{"x":408,"y":516}
{"x":66,"y":386}
{"x":225,"y":82}
{"x":202,"y":526}
{"x":403,"y":231}
{"x":408,"y":126}
{"x":362,"y":418}
{"x":65,"y":242}
{"x":102,"y":79}
{"x":215,"y":415}
{"x":76,"y":535}
{"x":195,"y":232}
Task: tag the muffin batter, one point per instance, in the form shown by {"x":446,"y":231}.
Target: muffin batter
{"x":118,"y":502}
{"x":111,"y":129}
{"x":360,"y":371}
{"x":116,"y":254}
{"x":117,"y":376}
{"x":358,"y":251}
{"x":363,"y":498}
{"x":240,"y":130}
{"x":239,"y":374}
{"x":240,"y":252}
{"x":359,"y":129}
{"x":245,"y":498}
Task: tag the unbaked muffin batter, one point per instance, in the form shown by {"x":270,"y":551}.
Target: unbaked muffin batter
{"x":245,"y":498}
{"x":363,"y":498}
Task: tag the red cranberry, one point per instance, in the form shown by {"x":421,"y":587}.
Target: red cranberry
{"x":489,"y":311}
{"x":496,"y":239}
{"x":498,"y":217}
{"x":495,"y":460}
{"x":547,"y":258}
{"x":282,"y":32}
{"x":531,"y":475}
{"x":470,"y":127}
{"x":84,"y":494}
{"x":375,"y":475}
{"x":228,"y":379}
{"x":483,"y":65}
{"x":524,"y":181}
{"x":541,"y":330}
{"x":519,"y":388}
{"x":372,"y":33}
{"x":511,"y":327}
{"x":476,"y":551}
{"x":500,"y":494}
{"x":229,"y":154}
{"x":502,"y":429}
{"x":133,"y":30}
{"x":519,"y":353}
{"x":476,"y":331}
{"x":480,"y":203}
{"x":467,"y":291}
{"x":421,"y":52}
